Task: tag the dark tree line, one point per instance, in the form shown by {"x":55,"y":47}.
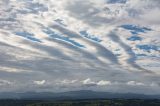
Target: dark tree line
{"x":109,"y":102}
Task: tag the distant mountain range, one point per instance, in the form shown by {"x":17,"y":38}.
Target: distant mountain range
{"x":74,"y":95}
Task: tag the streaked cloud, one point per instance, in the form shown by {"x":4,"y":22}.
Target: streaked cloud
{"x":135,"y":83}
{"x":4,"y":82}
{"x":61,"y":45}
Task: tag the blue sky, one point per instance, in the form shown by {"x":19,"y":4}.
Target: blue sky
{"x":65,"y":45}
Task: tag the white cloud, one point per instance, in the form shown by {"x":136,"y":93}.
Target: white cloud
{"x":103,"y":83}
{"x":66,"y":82}
{"x":42,"y":82}
{"x":135,"y":83}
{"x":88,"y":81}
{"x":12,"y":70}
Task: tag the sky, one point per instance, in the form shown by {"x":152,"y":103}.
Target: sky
{"x":69,"y":45}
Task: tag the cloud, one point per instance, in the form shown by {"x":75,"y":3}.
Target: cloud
{"x":134,"y":83}
{"x":66,"y":82}
{"x":4,"y":82}
{"x":103,"y":83}
{"x":55,"y":44}
{"x":88,"y":81}
{"x":42,"y":82}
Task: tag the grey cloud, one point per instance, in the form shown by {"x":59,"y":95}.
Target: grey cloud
{"x":63,"y":60}
{"x":87,"y":13}
{"x":128,"y":50}
{"x":101,"y":51}
{"x":33,"y":8}
{"x":51,"y":69}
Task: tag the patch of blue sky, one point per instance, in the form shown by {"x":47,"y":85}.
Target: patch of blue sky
{"x":147,"y":55}
{"x":134,"y":38}
{"x":28,"y":36}
{"x":141,"y":55}
{"x":135,"y":29}
{"x":134,"y":33}
{"x":92,"y":37}
{"x":61,"y":37}
{"x":148,"y":48}
{"x":116,"y":1}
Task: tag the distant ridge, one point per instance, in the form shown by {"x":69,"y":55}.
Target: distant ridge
{"x":74,"y":95}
